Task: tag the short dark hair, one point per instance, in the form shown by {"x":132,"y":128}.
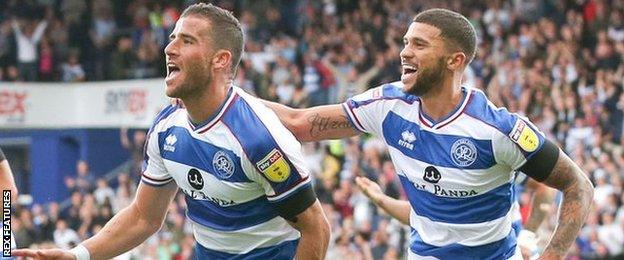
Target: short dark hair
{"x":455,"y":29}
{"x":226,"y":31}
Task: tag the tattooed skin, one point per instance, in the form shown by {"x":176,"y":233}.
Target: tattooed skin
{"x":577,"y":197}
{"x":321,"y":124}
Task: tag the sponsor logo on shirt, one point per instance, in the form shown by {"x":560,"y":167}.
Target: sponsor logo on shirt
{"x":170,"y":142}
{"x":524,"y":136}
{"x":407,"y":138}
{"x":274,"y":166}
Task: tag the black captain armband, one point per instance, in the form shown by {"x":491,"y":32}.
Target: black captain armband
{"x":2,"y":157}
{"x":543,"y":162}
{"x":296,"y":203}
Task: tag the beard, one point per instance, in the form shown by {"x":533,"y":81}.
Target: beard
{"x":196,"y":78}
{"x":427,"y":79}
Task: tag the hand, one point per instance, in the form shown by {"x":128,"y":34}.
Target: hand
{"x":527,"y":241}
{"x":56,"y":254}
{"x":371,"y":189}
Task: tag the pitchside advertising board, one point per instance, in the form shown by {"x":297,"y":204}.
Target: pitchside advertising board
{"x":110,"y":104}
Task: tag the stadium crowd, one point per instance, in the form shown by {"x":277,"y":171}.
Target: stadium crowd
{"x":556,"y":62}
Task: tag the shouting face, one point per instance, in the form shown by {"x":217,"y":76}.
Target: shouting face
{"x":423,"y":59}
{"x":188,"y":58}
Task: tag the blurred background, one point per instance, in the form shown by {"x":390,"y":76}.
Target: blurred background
{"x":81,"y":80}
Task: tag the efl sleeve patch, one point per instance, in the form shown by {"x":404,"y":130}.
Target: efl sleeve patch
{"x":274,"y":166}
{"x":524,"y":136}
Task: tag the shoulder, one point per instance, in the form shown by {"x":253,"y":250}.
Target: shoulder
{"x":385,"y":92}
{"x":163,"y":115}
{"x":482,"y":109}
{"x":515,"y":128}
{"x":249,"y":120}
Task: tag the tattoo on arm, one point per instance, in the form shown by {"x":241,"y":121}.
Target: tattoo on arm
{"x":320,"y":124}
{"x":577,"y":198}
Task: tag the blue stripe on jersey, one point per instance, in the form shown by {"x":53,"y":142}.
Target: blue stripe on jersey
{"x":285,"y":250}
{"x":498,"y":118}
{"x":168,"y":110}
{"x":433,"y":148}
{"x":230,"y":218}
{"x":256,"y":140}
{"x":480,"y":208}
{"x":502,"y":249}
{"x":199,"y":154}
{"x":388,"y":91}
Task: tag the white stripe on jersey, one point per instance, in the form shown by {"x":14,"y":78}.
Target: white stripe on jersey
{"x":238,"y":192}
{"x":453,"y":178}
{"x":242,"y":241}
{"x":441,"y":234}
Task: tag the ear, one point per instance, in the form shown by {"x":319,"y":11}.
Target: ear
{"x":456,"y":61}
{"x":222,"y":59}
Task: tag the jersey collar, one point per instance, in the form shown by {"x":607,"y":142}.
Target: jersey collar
{"x":427,"y":121}
{"x":214,"y":118}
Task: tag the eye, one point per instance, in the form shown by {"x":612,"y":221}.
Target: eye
{"x":185,"y":41}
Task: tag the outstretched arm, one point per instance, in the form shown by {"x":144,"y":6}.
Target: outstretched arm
{"x":398,"y":209}
{"x":578,"y":192}
{"x":315,"y":123}
{"x":126,"y":230}
{"x":6,"y":177}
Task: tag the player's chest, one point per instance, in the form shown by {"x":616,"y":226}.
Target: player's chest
{"x":203,"y":170}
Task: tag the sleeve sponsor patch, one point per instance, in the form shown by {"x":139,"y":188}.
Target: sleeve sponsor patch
{"x":274,"y":166}
{"x":524,"y":136}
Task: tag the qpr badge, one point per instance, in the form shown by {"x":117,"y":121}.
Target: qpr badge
{"x":223,"y":165}
{"x":463,"y":152}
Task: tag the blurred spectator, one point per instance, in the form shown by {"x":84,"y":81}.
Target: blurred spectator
{"x":72,"y":70}
{"x":104,"y":194}
{"x":135,"y":147}
{"x":65,"y":237}
{"x":85,"y":180}
{"x":28,"y":34}
{"x":122,"y":59}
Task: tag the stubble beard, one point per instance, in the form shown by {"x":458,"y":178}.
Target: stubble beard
{"x":428,"y":79}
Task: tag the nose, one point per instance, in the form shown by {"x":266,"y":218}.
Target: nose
{"x":406,"y":53}
{"x":170,"y":49}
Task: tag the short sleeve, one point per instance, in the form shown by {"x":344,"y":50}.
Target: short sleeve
{"x":522,"y":142}
{"x":154,"y":171}
{"x":275,"y":158}
{"x":367,"y":110}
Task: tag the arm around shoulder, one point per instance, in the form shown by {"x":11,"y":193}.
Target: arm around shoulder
{"x":314,"y":123}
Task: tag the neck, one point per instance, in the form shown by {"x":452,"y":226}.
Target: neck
{"x":441,"y":101}
{"x":204,"y":105}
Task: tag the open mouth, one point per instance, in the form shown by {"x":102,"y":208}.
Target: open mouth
{"x":409,"y":69}
{"x":172,"y":70}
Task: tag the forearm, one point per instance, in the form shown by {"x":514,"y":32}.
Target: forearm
{"x":315,"y":232}
{"x":6,"y":180}
{"x":398,"y":209}
{"x":316,"y":123}
{"x":575,"y":207}
{"x":123,"y":232}
{"x":312,"y":245}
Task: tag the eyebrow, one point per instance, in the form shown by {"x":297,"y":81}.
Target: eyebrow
{"x":416,"y":39}
{"x":184,"y":36}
